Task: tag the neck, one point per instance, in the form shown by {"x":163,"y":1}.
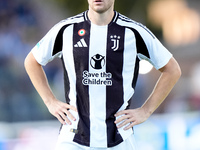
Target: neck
{"x":100,"y":19}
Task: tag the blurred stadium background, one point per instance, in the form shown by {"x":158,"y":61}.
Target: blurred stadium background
{"x":25,"y":123}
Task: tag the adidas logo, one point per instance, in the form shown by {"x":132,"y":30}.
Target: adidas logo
{"x":81,"y":43}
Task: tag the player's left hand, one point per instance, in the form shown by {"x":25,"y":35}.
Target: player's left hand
{"x":131,"y":116}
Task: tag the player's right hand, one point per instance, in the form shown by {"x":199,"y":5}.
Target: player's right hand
{"x":61,"y":111}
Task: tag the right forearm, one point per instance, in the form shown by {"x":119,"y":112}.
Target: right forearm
{"x":38,"y":78}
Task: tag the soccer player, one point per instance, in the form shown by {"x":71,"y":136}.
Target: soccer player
{"x":100,"y":50}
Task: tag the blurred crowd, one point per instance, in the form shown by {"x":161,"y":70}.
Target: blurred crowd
{"x":20,"y":30}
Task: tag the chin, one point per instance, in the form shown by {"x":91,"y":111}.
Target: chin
{"x":99,"y":10}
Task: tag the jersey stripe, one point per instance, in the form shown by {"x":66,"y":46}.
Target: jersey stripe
{"x":81,"y":57}
{"x":130,"y":55}
{"x":58,"y":45}
{"x":66,"y":82}
{"x":97,"y":92}
{"x":115,"y":93}
{"x":141,"y":46}
{"x":136,"y":72}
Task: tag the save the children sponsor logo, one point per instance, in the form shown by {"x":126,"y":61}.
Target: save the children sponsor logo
{"x":96,"y":76}
{"x":97,"y":61}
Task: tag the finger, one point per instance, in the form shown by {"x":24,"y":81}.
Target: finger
{"x":119,"y":113}
{"x":68,"y":114}
{"x":122,"y":118}
{"x":60,"y":119}
{"x":73,"y":108}
{"x":126,"y":122}
{"x":129,"y":126}
{"x":67,"y":106}
{"x":122,"y":112}
{"x":65,"y":118}
{"x":68,"y":121}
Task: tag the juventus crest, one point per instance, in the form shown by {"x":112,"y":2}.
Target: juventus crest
{"x":115,"y":39}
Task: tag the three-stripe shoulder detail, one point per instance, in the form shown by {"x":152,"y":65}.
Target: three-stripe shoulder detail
{"x":75,"y":19}
{"x":59,"y":40}
{"x":130,"y":23}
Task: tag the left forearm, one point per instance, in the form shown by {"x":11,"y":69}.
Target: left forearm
{"x":170,"y":74}
{"x":166,"y":82}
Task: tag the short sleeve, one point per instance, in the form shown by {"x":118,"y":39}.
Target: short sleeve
{"x":43,"y":50}
{"x":159,"y":56}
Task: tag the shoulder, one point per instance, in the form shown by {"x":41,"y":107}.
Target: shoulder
{"x":69,"y":21}
{"x":75,"y":19}
{"x":127,"y":22}
{"x":133,"y":25}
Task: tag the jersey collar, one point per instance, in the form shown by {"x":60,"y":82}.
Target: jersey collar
{"x":114,"y":19}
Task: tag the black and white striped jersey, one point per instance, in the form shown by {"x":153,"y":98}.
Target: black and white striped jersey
{"x":101,"y":66}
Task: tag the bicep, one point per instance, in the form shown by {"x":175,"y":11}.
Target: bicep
{"x":171,"y":67}
{"x":31,"y":65}
{"x":30,"y":60}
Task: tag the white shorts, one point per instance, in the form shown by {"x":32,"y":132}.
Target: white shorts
{"x":65,"y":140}
{"x":128,"y":144}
